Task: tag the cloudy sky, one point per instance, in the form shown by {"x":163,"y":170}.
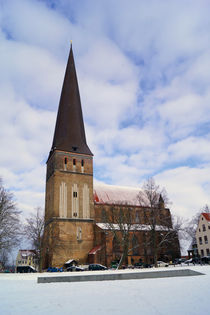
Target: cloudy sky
{"x":143,"y":71}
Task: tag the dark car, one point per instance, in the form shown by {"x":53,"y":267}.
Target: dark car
{"x":97,"y":267}
{"x":179,"y":261}
{"x":25,"y":269}
{"x":205,"y":260}
{"x":139,"y":265}
{"x":75,"y":268}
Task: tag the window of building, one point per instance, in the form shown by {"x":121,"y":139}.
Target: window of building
{"x":82,"y":166}
{"x":207,"y":251}
{"x":135,"y":245}
{"x":209,"y":227}
{"x":74,"y":161}
{"x":204,"y":227}
{"x":199,"y":230}
{"x":137,"y":217}
{"x":200,"y":240}
{"x":206,"y":239}
{"x":75,"y":194}
{"x":79,"y":233}
{"x":103,"y":215}
{"x":65,"y":163}
{"x":116,"y":246}
{"x":202,"y":252}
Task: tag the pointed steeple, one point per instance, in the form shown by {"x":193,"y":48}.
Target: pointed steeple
{"x":69,"y":130}
{"x":161,"y":202}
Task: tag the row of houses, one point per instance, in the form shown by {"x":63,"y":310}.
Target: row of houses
{"x":200,"y":246}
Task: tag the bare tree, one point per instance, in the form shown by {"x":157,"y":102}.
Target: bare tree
{"x":191,"y":225}
{"x":160,"y":232}
{"x":120,"y":222}
{"x":10,"y":226}
{"x":4,"y":257}
{"x":33,"y":229}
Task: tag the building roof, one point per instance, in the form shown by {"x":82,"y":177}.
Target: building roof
{"x":27,"y":252}
{"x":206,"y":216}
{"x":94,"y":250}
{"x":69,"y":130}
{"x":111,"y":194}
{"x":134,"y":227}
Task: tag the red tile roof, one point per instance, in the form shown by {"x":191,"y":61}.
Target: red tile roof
{"x":95,"y":249}
{"x":206,"y":216}
{"x":110,"y":194}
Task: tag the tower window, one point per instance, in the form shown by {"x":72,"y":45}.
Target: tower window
{"x":75,"y":194}
{"x":65,"y":163}
{"x":82,"y":163}
{"x":74,"y":161}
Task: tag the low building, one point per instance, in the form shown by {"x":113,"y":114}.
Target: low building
{"x":26,"y":258}
{"x":203,"y":235}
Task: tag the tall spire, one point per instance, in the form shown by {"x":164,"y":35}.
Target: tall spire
{"x":69,"y":130}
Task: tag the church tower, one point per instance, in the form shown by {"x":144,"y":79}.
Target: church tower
{"x":69,"y":210}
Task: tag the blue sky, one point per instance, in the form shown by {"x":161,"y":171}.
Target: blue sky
{"x":143,"y":71}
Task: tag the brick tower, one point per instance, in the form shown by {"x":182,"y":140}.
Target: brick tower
{"x":69,"y":210}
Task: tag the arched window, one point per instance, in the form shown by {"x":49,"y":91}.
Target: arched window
{"x":116,"y":246}
{"x":65,"y":163}
{"x":82,"y":166}
{"x":74,"y":165}
{"x":103,"y":216}
{"x":135,"y":245}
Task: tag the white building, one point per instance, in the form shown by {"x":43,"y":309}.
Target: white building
{"x":26,"y":258}
{"x":203,"y":235}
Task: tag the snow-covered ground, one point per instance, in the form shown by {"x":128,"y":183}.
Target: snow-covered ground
{"x":21,"y":294}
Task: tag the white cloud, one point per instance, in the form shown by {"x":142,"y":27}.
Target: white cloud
{"x":144,"y":80}
{"x":188,"y":188}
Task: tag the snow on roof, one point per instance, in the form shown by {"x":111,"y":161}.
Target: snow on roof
{"x":27,"y":252}
{"x":135,"y":227}
{"x":206,"y":216}
{"x":70,"y":261}
{"x":104,"y":193}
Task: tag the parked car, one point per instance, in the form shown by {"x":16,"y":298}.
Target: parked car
{"x":205,"y":260}
{"x":147,"y":266}
{"x":75,"y":268}
{"x":162,"y":264}
{"x":189,"y":261}
{"x":97,"y":267}
{"x":142,"y":265}
{"x":54,"y":269}
{"x":179,"y":261}
{"x":193,"y":261}
{"x":139,"y":265}
{"x":25,"y":269}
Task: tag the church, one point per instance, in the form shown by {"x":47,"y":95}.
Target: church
{"x":75,"y":209}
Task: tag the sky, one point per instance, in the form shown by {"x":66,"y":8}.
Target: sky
{"x":143,"y":72}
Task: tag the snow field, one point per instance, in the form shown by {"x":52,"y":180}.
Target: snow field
{"x":21,"y":294}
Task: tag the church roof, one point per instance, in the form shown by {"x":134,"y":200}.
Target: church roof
{"x":110,"y":194}
{"x":69,"y":130}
